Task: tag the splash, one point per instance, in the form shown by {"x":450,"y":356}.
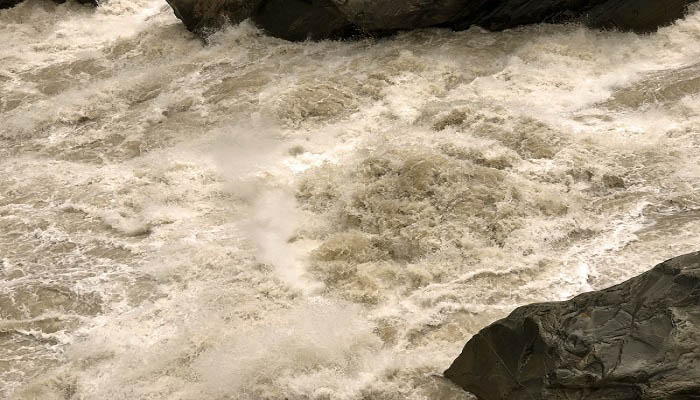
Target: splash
{"x":253,"y":218}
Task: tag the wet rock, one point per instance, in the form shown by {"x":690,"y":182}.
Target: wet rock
{"x":323,"y":19}
{"x":287,"y":19}
{"x":206,"y":16}
{"x":302,"y":19}
{"x":633,"y":15}
{"x":9,"y":3}
{"x":637,"y":340}
{"x":388,"y":15}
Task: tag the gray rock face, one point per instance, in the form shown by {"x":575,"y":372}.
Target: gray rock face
{"x":633,"y":15}
{"x":202,"y":17}
{"x":639,"y":340}
{"x":636,"y":15}
{"x":302,"y":19}
{"x":287,"y":19}
{"x":389,"y":15}
{"x":8,"y":3}
{"x":322,"y":19}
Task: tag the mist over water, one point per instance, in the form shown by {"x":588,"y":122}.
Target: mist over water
{"x":250,"y":218}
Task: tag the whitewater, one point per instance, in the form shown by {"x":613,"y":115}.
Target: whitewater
{"x":250,"y":218}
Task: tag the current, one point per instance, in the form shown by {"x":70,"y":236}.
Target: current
{"x":249,"y":218}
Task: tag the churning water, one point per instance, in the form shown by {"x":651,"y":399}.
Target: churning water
{"x":256,"y":219}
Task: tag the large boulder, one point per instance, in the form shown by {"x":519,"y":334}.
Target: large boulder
{"x":636,"y":15}
{"x":287,"y":19}
{"x":628,"y":15}
{"x":322,"y":19}
{"x":639,"y":340}
{"x":302,"y":19}
{"x":205,"y":16}
{"x":392,"y":15}
{"x":8,"y":3}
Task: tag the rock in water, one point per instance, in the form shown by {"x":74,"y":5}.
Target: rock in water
{"x":392,"y":15}
{"x":323,"y":19}
{"x":8,"y":3}
{"x":639,"y":340}
{"x":203,"y":16}
{"x":286,"y":19}
{"x":636,"y":15}
{"x":302,"y":19}
{"x":628,"y":15}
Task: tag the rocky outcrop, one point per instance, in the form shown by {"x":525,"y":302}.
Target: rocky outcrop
{"x":392,"y":15}
{"x":302,"y":19}
{"x":634,"y":15}
{"x":288,"y":19}
{"x":204,"y":16}
{"x":321,"y":19}
{"x":639,"y":340}
{"x":8,"y":3}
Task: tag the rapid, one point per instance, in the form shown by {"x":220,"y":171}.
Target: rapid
{"x":249,"y":218}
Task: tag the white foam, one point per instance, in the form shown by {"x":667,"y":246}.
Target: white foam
{"x":264,"y":219}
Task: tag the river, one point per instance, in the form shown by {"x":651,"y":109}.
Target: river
{"x":250,"y":218}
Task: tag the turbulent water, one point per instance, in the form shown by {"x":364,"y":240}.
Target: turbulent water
{"x":249,"y":218}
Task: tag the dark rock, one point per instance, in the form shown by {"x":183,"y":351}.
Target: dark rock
{"x":204,"y":16}
{"x":302,"y":19}
{"x":638,"y":340}
{"x":287,"y":19}
{"x":629,"y":15}
{"x":636,"y":15}
{"x":392,"y":15}
{"x":321,"y":19}
{"x":8,"y":3}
